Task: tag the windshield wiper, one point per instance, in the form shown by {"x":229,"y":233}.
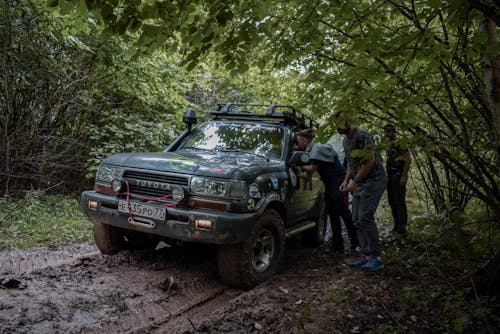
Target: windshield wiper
{"x":246,"y":152}
{"x":196,"y":149}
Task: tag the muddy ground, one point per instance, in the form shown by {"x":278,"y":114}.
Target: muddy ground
{"x":75,"y":289}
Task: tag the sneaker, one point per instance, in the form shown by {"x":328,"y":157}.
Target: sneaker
{"x":359,"y":262}
{"x":374,"y":264}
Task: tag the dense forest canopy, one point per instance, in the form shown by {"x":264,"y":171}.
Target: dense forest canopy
{"x":82,"y":79}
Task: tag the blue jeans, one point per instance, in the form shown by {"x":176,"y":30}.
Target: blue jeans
{"x":365,"y":200}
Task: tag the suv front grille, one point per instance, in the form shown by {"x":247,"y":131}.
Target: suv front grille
{"x":154,"y":185}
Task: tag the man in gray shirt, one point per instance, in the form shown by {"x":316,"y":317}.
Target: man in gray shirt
{"x":366,"y":180}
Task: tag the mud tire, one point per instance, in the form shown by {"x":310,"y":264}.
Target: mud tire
{"x":316,"y":235}
{"x":134,"y":240}
{"x":247,"y":264}
{"x":108,"y":239}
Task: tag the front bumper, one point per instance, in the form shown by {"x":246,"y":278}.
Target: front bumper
{"x":226,"y":227}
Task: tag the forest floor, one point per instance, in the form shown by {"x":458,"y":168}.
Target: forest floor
{"x":75,"y":289}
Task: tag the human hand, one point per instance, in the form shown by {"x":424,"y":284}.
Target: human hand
{"x":343,"y":185}
{"x":351,"y":186}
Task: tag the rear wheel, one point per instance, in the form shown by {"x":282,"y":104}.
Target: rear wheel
{"x":109,"y":239}
{"x":249,"y":263}
{"x":316,"y":235}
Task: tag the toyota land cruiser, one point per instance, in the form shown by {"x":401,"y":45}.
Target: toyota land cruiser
{"x":233,"y":181}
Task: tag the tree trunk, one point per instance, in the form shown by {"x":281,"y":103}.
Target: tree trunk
{"x":492,"y":81}
{"x":492,"y":84}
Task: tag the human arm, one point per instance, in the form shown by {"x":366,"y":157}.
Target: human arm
{"x":364,"y":170}
{"x":347,"y":178}
{"x":310,"y":168}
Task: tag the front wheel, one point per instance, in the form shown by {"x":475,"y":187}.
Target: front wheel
{"x":249,"y":263}
{"x":109,"y":239}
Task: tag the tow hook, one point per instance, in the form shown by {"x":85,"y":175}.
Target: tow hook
{"x":144,"y":222}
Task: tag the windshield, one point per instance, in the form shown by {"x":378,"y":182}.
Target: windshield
{"x":258,"y":139}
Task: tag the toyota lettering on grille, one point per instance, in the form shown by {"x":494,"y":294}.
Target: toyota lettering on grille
{"x":151,"y":184}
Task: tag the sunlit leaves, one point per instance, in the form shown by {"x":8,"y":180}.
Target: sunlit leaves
{"x":417,"y":64}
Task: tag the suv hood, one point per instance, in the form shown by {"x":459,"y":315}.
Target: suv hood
{"x":218,"y":164}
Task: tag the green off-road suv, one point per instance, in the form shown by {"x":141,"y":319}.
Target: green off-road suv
{"x":233,"y":181}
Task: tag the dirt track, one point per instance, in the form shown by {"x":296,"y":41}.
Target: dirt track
{"x":75,"y":289}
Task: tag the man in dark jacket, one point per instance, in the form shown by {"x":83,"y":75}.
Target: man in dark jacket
{"x":325,"y":161}
{"x":397,"y":165}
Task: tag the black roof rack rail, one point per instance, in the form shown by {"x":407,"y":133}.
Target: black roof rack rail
{"x":290,"y":116}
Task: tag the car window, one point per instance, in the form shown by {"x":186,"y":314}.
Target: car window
{"x":255,"y":138}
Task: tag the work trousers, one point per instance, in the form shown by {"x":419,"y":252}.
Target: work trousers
{"x":396,"y":195}
{"x":337,"y":208}
{"x":365,"y":200}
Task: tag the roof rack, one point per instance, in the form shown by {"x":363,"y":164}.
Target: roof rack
{"x":287,"y":115}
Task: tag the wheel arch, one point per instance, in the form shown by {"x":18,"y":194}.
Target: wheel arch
{"x":279,"y":207}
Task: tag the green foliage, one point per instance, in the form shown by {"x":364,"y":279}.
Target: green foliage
{"x":76,"y":99}
{"x":435,"y":259}
{"x":416,"y":64}
{"x":41,"y":79}
{"x":139,"y":108}
{"x":461,"y":237}
{"x":305,"y":315}
{"x":41,"y":220}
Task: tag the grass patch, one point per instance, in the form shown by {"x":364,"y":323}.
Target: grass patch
{"x":41,"y":220}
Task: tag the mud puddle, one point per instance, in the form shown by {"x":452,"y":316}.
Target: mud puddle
{"x":75,"y":289}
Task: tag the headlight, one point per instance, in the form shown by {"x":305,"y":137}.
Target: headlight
{"x":107,"y":173}
{"x":177,"y":194}
{"x":218,"y":188}
{"x":117,"y":185}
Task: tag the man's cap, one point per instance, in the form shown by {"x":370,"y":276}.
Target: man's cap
{"x":390,"y":127}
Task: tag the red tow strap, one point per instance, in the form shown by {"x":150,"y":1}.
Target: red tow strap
{"x":129,"y":194}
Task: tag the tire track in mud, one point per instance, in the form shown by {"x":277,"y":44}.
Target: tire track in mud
{"x":181,"y":315}
{"x":131,"y":292}
{"x":18,"y":261}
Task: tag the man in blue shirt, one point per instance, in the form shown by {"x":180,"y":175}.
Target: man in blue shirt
{"x":366,"y":180}
{"x":325,"y":161}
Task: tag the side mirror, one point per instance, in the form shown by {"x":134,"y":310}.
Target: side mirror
{"x":298,"y":158}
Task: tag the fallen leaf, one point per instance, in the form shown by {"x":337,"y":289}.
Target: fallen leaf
{"x":282,"y":289}
{"x":298,"y":302}
{"x":258,"y":326}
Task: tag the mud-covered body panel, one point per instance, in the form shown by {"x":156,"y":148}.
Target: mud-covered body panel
{"x":214,"y":164}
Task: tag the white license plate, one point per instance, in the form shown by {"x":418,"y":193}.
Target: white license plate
{"x":143,"y":210}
